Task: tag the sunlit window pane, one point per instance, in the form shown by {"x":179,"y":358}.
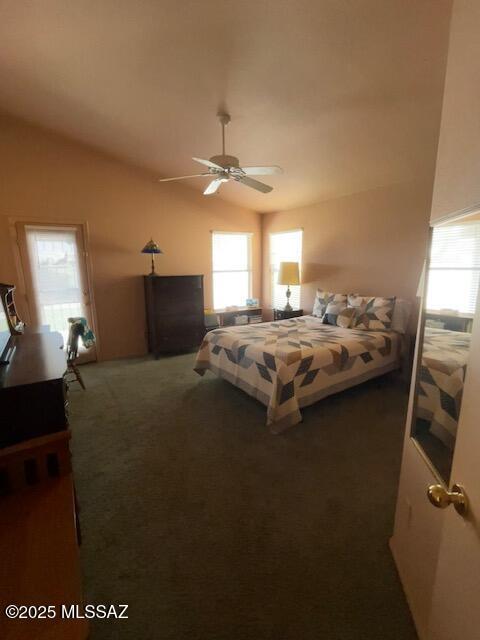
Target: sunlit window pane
{"x":56,"y":275}
{"x":230,"y":289}
{"x":230,"y":251}
{"x":454,"y":268}
{"x":453,"y":290}
{"x":285,"y":247}
{"x":231,"y":259}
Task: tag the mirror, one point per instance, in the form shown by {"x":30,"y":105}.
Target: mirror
{"x":450,"y":290}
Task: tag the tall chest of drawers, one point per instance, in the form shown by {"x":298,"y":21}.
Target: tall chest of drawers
{"x":175,"y":313}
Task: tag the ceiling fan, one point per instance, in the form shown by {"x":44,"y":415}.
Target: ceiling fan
{"x":223,"y":168}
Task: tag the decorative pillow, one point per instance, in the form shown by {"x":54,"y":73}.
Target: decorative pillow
{"x":373,"y":314}
{"x":338,"y":314}
{"x":323,"y":298}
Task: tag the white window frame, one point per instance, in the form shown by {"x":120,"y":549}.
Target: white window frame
{"x":274,"y":270}
{"x":249,"y":270}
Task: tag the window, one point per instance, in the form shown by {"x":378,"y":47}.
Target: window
{"x":454,"y":267}
{"x":56,"y":275}
{"x":232,"y":269}
{"x":284,"y":247}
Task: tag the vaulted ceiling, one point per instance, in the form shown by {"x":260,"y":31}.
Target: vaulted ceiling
{"x":345,"y":95}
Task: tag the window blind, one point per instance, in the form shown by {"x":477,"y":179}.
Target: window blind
{"x":232,"y":269}
{"x":454,"y":267}
{"x":285,"y":246}
{"x":56,"y":275}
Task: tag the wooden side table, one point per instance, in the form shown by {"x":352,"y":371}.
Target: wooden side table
{"x":226,"y":317}
{"x":281,"y":314}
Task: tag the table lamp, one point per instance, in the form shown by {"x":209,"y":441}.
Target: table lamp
{"x":152,"y":248}
{"x":288,"y":274}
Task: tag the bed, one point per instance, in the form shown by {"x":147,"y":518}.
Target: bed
{"x":441,"y":380}
{"x":293,"y":363}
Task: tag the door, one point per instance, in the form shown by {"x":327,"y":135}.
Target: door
{"x":441,"y":566}
{"x":455,"y":613}
{"x":56,"y":281}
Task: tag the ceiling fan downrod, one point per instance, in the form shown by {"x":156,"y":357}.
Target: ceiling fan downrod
{"x":224,"y":120}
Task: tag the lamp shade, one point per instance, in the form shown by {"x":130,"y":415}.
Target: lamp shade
{"x":151,"y":247}
{"x":289,"y":273}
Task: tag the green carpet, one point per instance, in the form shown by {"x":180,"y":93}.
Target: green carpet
{"x":211,"y":528}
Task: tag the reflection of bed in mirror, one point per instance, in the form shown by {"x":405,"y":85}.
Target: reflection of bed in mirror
{"x":440,"y":387}
{"x":449,"y":287}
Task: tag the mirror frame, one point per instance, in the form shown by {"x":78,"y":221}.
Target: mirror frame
{"x":418,"y":363}
{"x":458,"y":215}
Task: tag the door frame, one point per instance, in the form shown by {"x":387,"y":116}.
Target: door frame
{"x":418,"y":528}
{"x":23,"y":278}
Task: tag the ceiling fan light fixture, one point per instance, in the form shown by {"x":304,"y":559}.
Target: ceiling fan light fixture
{"x":223,"y":167}
{"x":225,"y":161}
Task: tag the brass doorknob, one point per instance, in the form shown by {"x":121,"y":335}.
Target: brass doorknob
{"x":441,"y":498}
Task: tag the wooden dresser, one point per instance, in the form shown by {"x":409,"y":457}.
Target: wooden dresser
{"x":33,"y":396}
{"x":38,"y":527}
{"x":175,"y":313}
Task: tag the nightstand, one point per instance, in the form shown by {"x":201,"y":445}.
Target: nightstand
{"x":281,"y":314}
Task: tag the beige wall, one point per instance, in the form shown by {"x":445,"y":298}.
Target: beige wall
{"x":457,"y":179}
{"x":371,"y":243}
{"x":45,"y":177}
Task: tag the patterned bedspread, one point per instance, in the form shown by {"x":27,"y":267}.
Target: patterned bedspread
{"x":293,"y":363}
{"x":442,"y":375}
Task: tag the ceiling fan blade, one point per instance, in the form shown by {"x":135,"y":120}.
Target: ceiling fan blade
{"x":213,"y":186}
{"x":255,"y":184}
{"x":195,"y":175}
{"x":208,"y":163}
{"x":262,"y":171}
